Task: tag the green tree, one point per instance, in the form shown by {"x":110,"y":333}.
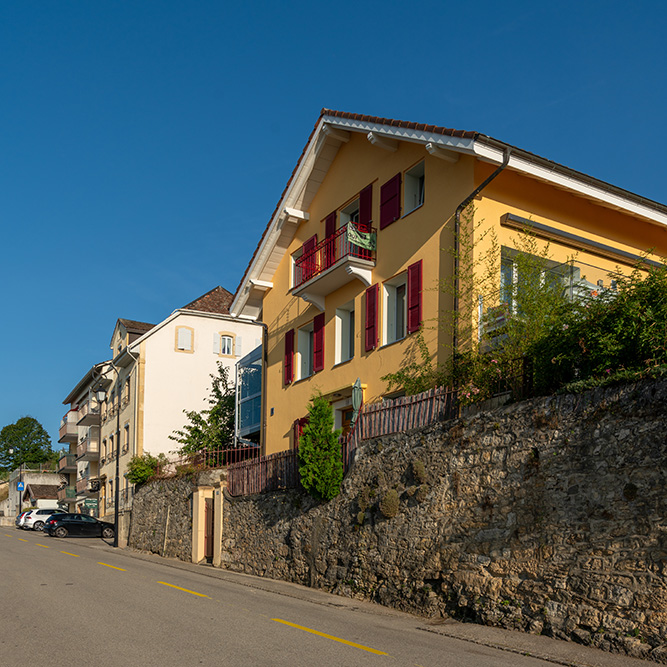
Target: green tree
{"x":29,"y":442}
{"x":142,"y":468}
{"x":320,"y":457}
{"x":210,"y":429}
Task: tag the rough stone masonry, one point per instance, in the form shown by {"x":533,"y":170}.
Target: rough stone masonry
{"x":546,"y":516}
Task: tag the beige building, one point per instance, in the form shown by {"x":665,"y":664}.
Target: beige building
{"x":157,"y":372}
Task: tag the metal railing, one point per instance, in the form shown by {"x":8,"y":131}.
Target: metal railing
{"x":206,"y":460}
{"x":327,"y":252}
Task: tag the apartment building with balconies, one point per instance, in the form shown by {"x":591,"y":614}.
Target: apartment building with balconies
{"x":80,"y":432}
{"x":368,"y":230}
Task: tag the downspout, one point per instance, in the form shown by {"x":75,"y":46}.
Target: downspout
{"x":457,"y":225}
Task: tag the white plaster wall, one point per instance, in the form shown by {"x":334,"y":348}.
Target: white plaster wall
{"x":177,"y":381}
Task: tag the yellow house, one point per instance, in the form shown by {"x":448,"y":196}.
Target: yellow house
{"x":352,"y":261}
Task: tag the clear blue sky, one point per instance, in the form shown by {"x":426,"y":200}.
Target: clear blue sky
{"x":144,"y":145}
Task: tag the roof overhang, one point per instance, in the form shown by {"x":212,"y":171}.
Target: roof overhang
{"x":333,"y":129}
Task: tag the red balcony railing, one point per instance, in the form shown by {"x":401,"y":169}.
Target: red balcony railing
{"x":327,"y":253}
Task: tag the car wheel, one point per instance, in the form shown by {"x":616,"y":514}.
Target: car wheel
{"x":61,"y":531}
{"x":107,"y":532}
{"x":38,"y":525}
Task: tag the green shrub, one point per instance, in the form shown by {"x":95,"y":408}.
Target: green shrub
{"x":419,"y":471}
{"x":320,"y":457}
{"x":389,"y":504}
{"x":142,"y":468}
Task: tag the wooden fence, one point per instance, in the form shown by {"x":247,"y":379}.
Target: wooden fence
{"x":407,"y":413}
{"x":281,"y":471}
{"x":266,"y":473}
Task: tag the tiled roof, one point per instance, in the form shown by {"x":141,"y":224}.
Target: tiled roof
{"x":132,"y":326}
{"x":351,"y":116}
{"x":43,"y":491}
{"x":216,"y":300}
{"x":408,"y":125}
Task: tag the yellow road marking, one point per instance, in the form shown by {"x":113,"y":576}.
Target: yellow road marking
{"x":336,"y":639}
{"x":69,"y":554}
{"x":113,"y":567}
{"x":201,"y":595}
{"x":7,"y":535}
{"x":42,"y":545}
{"x":22,"y":540}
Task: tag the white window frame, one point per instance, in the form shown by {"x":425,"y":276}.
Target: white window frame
{"x":226,"y":345}
{"x":393,"y":319}
{"x":345,"y":333}
{"x":349,"y":213}
{"x":304,"y":351}
{"x":414,"y":188}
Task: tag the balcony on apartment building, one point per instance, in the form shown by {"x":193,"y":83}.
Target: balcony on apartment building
{"x":87,"y":486}
{"x":322,"y":268}
{"x":66,"y":494}
{"x":89,"y":415}
{"x":68,"y":431}
{"x":88,"y":448}
{"x":67,"y":463}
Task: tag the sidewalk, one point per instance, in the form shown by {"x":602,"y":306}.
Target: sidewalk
{"x":545,"y":648}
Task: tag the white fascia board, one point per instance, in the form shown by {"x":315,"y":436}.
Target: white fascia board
{"x":255,"y":270}
{"x":404,"y":134}
{"x":521,"y":163}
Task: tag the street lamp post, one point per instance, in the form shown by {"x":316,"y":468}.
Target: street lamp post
{"x":101,"y":395}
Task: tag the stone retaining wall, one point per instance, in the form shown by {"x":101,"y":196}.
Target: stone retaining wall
{"x":546,"y":516}
{"x":162,"y":518}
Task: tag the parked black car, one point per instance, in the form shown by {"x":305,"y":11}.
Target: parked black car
{"x":79,"y":525}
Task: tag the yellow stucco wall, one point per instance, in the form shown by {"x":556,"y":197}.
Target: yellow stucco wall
{"x":424,"y":234}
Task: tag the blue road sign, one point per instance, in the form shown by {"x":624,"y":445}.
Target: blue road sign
{"x":20,"y":486}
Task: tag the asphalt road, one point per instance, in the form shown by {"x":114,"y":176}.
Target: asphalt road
{"x":75,"y":601}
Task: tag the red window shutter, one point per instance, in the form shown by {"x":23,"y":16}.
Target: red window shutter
{"x":288,"y":366}
{"x":318,"y":343}
{"x":330,"y":224}
{"x":299,"y":425}
{"x":414,"y":296}
{"x":371,"y":317}
{"x":308,"y":267}
{"x":366,"y":207}
{"x":330,"y":242}
{"x":390,"y":201}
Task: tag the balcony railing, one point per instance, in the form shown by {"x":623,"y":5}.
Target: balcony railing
{"x":88,"y":448}
{"x":68,"y":431}
{"x":331,"y":250}
{"x":66,"y":494}
{"x":87,"y":485}
{"x":89,"y":415}
{"x":67,"y":462}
